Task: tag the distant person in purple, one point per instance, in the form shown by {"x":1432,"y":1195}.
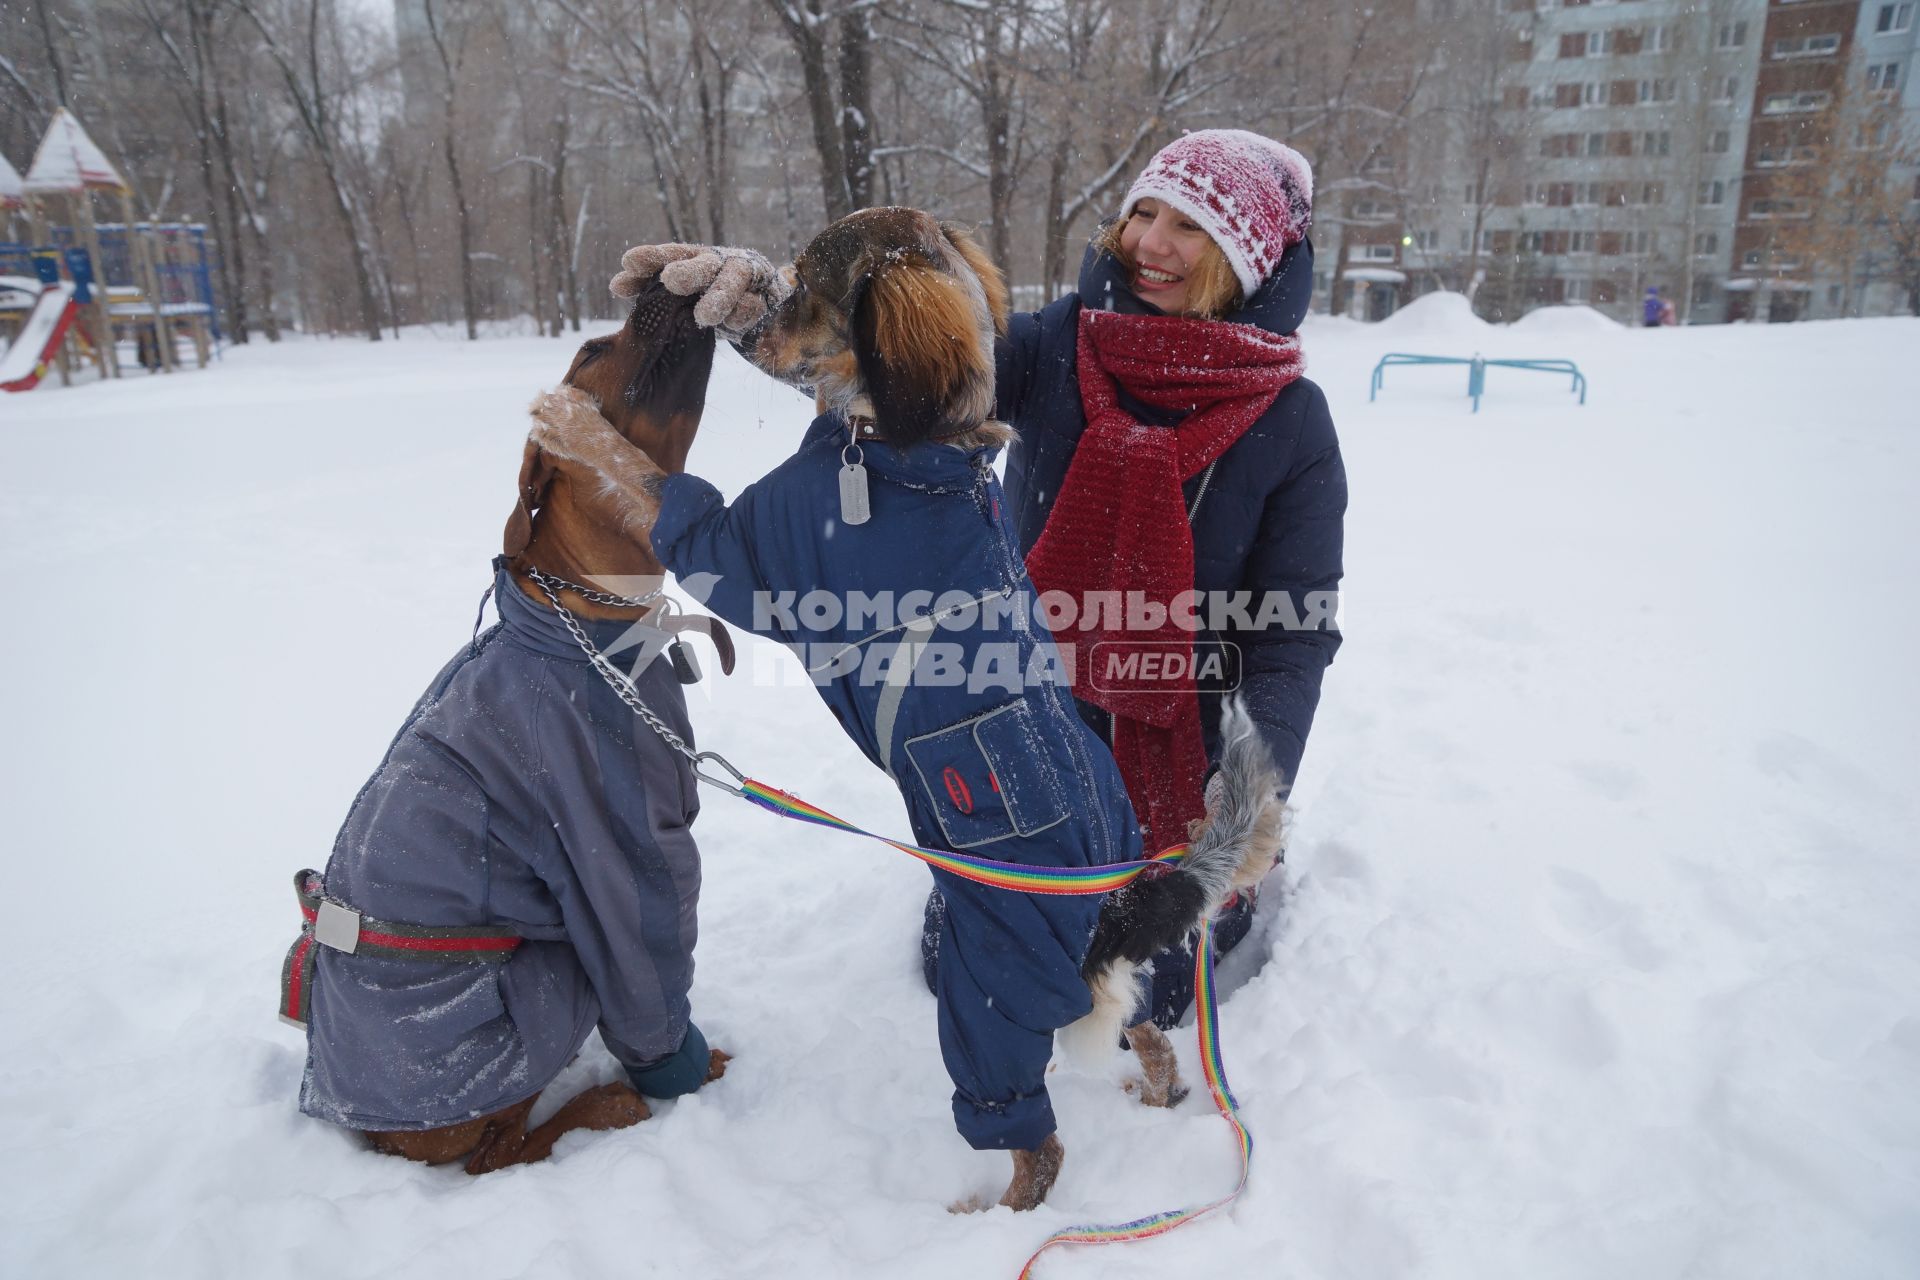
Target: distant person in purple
{"x":1651,"y":308}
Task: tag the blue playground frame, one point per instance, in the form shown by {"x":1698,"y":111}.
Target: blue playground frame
{"x":1477,"y":366}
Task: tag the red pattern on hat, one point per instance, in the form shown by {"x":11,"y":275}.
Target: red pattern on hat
{"x":1252,"y":195}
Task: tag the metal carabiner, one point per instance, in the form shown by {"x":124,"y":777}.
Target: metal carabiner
{"x":714,"y":781}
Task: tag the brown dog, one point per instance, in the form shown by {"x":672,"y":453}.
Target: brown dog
{"x":890,"y":318}
{"x":649,"y":380}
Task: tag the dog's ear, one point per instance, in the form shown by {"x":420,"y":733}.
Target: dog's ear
{"x":991,"y":280}
{"x":535,"y":474}
{"x":918,"y":336}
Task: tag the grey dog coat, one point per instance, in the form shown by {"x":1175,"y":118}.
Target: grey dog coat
{"x":520,"y":792}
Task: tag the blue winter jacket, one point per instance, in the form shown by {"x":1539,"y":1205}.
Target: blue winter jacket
{"x":519,"y":792}
{"x":983,"y":741}
{"x":1267,"y":517}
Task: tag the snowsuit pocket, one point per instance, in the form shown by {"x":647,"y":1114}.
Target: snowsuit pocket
{"x":989,"y":778}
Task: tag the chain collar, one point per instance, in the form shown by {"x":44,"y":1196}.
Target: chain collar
{"x":622,"y":686}
{"x":550,"y":583}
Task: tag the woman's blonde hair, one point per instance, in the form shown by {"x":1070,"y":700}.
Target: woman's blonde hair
{"x":1213,"y":291}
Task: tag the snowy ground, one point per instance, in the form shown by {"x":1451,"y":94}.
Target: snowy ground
{"x":1599,"y":954}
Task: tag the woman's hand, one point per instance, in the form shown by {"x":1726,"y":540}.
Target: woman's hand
{"x":574,"y":438}
{"x":736,"y":287}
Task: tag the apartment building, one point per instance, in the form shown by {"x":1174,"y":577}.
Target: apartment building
{"x":1580,"y":152}
{"x":1609,"y":161}
{"x":1830,"y":156}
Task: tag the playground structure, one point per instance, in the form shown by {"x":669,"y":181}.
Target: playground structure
{"x":1477,"y":366}
{"x":147,"y":286}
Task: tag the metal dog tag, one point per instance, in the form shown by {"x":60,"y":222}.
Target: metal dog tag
{"x":686,"y":664}
{"x":853,"y":488}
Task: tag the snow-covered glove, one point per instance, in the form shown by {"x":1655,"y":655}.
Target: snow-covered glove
{"x":736,"y":287}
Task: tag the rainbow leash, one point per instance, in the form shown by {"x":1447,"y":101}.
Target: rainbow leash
{"x":1206,"y":1019}
{"x":1074,"y":880}
{"x":1066,"y":881}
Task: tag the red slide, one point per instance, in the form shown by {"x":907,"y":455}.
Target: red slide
{"x":27,"y":360}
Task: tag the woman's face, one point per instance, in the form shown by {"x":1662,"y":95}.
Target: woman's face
{"x":1164,"y":245}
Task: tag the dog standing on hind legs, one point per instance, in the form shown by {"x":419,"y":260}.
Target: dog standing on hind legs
{"x":889,"y":318}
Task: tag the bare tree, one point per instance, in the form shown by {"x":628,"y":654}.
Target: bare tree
{"x":292,"y":36}
{"x":839,"y":105}
{"x":450,"y":61}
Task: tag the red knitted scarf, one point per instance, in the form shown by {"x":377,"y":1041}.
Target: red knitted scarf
{"x":1120,"y":525}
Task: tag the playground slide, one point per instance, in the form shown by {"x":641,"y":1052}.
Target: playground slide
{"x":26,"y":361}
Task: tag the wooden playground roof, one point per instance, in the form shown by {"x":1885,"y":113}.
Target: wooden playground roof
{"x":13,"y":192}
{"x":68,"y":161}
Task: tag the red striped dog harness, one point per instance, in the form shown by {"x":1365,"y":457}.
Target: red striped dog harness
{"x":330,"y":923}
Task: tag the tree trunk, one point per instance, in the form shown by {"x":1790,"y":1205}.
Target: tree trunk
{"x":238,"y":243}
{"x":812,"y":51}
{"x":562,"y":260}
{"x":1053,"y":255}
{"x":856,"y":109}
{"x":462,"y":212}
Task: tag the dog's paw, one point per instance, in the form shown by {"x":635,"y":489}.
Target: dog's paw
{"x":617,"y":1105}
{"x":567,"y":424}
{"x":979,"y":1202}
{"x":1167,"y":1094}
{"x":717,"y":1060}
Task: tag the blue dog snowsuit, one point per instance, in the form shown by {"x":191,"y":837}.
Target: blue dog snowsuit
{"x":982,"y":737}
{"x":521,"y":800}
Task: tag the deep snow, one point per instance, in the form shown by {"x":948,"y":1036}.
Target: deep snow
{"x":1598,"y":956}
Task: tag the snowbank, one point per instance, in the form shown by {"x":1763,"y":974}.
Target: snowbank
{"x":1595,"y":955}
{"x":1565,"y":321}
{"x":1434,"y":315}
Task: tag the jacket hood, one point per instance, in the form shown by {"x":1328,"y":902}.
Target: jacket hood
{"x":1278,"y":305}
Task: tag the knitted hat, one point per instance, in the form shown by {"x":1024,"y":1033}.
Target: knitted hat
{"x":1251,"y":194}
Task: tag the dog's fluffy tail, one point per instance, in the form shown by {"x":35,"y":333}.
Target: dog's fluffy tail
{"x":1243,"y":838}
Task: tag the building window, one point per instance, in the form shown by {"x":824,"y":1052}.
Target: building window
{"x":1763,"y":209}
{"x":1660,"y":40}
{"x":1596,"y":144}
{"x":1782,"y":104}
{"x":1373,"y":210}
{"x":1732,"y":35}
{"x":1580,"y":242}
{"x":1781,"y":155}
{"x":1713,"y":192}
{"x":1656,"y":144}
{"x":1727,"y":90}
{"x":1706,"y":242}
{"x":1750,"y":259}
{"x":1883,"y":77}
{"x":1651,"y":91}
{"x":1893,"y":18}
{"x":1426,"y":241}
{"x":1820,"y":46}
{"x":1654,"y":193}
{"x":1719,"y":142}
{"x":1370,"y":253}
{"x":1578,"y":289}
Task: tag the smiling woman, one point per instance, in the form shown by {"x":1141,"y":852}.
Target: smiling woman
{"x":1167,"y":444}
{"x":1172,"y":262}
